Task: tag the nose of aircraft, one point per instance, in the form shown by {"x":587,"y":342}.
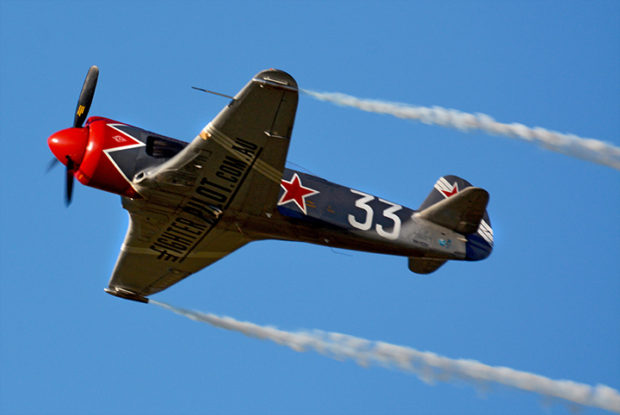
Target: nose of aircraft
{"x":70,"y":143}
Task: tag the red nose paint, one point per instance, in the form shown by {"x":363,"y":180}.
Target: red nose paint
{"x":70,"y":142}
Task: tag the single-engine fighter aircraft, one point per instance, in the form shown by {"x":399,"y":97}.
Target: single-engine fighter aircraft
{"x":191,"y":204}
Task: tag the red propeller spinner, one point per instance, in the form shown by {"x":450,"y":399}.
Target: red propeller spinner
{"x":69,"y":144}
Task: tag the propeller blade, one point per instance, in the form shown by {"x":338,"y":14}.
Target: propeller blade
{"x":69,"y":181}
{"x":86,"y":96}
{"x":53,"y":162}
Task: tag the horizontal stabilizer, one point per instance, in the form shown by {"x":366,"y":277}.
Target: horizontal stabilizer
{"x":461,"y":212}
{"x":425,"y":265}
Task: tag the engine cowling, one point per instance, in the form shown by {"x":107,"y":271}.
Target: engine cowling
{"x":91,"y":148}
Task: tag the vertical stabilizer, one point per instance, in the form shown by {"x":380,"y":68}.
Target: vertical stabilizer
{"x":466,"y":213}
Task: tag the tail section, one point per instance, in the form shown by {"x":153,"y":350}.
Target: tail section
{"x":480,"y":239}
{"x":461,"y":212}
{"x":455,"y":204}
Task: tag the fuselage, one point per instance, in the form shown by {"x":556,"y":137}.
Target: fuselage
{"x":341,"y":217}
{"x":309,"y":208}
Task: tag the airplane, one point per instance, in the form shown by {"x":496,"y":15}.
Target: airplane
{"x":191,"y":204}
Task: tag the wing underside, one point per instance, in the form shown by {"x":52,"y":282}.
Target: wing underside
{"x":145,"y":267}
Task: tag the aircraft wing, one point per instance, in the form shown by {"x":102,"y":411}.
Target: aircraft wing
{"x":150,"y":260}
{"x":195,"y":204}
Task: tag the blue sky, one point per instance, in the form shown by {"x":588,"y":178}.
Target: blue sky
{"x":546,"y":301}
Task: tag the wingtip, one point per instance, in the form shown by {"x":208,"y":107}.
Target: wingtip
{"x":277,"y":77}
{"x":126,"y":294}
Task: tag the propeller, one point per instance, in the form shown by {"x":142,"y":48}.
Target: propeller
{"x":73,"y":140}
{"x":53,"y":162}
{"x":69,"y":181}
{"x":86,"y":96}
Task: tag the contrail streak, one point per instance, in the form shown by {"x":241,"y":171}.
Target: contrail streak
{"x":426,"y":365}
{"x":588,"y":149}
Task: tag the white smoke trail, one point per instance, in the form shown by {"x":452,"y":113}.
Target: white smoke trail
{"x":584,"y":148}
{"x":426,"y":365}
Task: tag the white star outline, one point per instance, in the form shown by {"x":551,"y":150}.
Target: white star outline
{"x":303,"y":197}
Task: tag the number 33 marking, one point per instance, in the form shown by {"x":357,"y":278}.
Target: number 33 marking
{"x":362,"y":203}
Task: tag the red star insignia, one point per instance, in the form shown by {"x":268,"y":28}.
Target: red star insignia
{"x":295,"y":192}
{"x":451,"y":192}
